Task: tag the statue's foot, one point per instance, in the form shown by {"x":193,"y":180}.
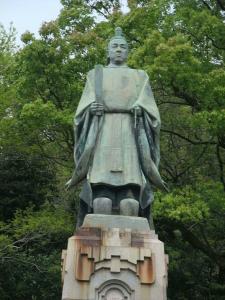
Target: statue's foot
{"x":102,"y":206}
{"x":129,"y":207}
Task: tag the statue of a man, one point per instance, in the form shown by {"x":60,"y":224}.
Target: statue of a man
{"x":117,"y":127}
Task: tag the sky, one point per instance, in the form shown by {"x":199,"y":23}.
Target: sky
{"x":28,"y":14}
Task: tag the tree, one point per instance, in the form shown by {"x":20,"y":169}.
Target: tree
{"x":30,"y":250}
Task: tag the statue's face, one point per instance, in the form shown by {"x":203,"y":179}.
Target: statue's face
{"x":118,"y":51}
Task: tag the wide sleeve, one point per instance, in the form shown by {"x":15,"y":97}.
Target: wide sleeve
{"x":151,"y":116}
{"x":147,"y":134}
{"x":146,"y":98}
{"x":85,"y":130}
{"x":88,"y":96}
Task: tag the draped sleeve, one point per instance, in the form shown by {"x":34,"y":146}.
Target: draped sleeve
{"x":88,"y":96}
{"x":86,"y":128}
{"x":151,"y":116}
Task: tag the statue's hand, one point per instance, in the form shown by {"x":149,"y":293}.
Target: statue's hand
{"x":97,"y":109}
{"x":137,"y":111}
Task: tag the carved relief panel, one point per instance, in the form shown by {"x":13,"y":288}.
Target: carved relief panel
{"x":114,"y":290}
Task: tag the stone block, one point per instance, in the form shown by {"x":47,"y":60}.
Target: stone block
{"x":114,"y":263}
{"x":116,"y":221}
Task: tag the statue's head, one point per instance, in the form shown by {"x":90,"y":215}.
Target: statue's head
{"x":118,"y":48}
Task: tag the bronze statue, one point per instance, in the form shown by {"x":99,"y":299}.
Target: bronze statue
{"x":117,"y":126}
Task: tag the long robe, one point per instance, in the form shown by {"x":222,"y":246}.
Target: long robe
{"x":106,"y":148}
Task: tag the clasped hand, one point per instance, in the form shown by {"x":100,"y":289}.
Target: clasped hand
{"x":97,"y":109}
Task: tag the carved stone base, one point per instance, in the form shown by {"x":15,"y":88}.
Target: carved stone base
{"x":114,"y":263}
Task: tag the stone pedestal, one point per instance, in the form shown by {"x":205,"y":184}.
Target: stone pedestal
{"x":114,"y":258}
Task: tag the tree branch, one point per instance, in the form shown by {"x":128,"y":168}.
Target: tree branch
{"x":194,"y":163}
{"x":221,"y":166}
{"x":187,"y":139}
{"x":171,"y":102}
{"x":221,"y":4}
{"x":214,"y":44}
{"x":22,"y":242}
{"x":194,"y":102}
{"x":197,"y":243}
{"x":25,"y":262}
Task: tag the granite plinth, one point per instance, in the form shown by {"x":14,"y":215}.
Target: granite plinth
{"x":114,"y":263}
{"x":116,"y":221}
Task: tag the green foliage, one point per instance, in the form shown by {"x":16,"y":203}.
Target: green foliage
{"x":183,"y":205}
{"x":30,"y":249}
{"x":25,"y":180}
{"x":180,"y":44}
{"x":191,"y":221}
{"x":7,"y":39}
